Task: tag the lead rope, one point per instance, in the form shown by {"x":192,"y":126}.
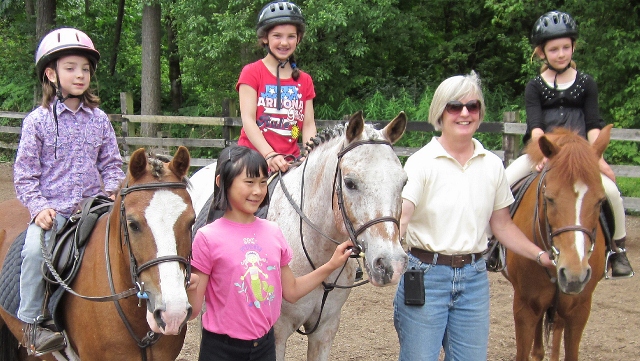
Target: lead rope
{"x":281,"y":64}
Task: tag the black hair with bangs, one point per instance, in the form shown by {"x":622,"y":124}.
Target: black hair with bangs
{"x":232,"y":161}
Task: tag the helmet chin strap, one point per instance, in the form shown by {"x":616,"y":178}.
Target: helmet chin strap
{"x":558,"y":71}
{"x":59,"y":99}
{"x":281,"y":64}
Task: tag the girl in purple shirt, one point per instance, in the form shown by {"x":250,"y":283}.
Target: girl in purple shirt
{"x":68,"y":151}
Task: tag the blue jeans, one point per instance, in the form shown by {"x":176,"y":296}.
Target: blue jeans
{"x":455,"y":315}
{"x":31,"y":281}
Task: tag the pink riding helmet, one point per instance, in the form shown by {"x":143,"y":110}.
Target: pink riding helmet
{"x":62,"y":42}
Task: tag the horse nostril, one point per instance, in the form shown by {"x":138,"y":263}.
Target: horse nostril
{"x":562,"y":275}
{"x":157,"y":315}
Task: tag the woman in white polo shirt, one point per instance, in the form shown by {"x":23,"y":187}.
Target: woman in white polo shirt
{"x":455,"y":189}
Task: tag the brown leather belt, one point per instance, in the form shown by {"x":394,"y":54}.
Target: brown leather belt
{"x":455,"y":261}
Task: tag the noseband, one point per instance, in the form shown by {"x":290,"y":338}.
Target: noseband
{"x":550,"y":233}
{"x":133,"y":264}
{"x":337,"y":189}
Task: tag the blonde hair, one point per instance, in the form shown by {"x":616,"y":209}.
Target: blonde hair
{"x":455,"y":88}
{"x":540,"y":50}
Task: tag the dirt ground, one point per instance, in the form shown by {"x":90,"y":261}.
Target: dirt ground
{"x":367,"y":333}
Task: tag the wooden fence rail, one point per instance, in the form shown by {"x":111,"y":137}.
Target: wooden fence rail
{"x":509,"y":128}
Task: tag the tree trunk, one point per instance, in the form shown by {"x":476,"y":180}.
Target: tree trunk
{"x":116,"y":42}
{"x":174,"y":66}
{"x":150,"y":87}
{"x":45,"y":17}
{"x":45,"y":11}
{"x":30,"y":8}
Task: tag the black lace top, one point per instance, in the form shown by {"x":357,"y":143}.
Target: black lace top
{"x":575,"y":107}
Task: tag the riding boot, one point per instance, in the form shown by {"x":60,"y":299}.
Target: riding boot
{"x":40,"y":340}
{"x":620,"y":266}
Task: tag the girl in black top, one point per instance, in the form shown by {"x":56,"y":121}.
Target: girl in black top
{"x":562,"y":96}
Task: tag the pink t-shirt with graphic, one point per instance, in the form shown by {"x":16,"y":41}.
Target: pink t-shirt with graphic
{"x":243,"y":261}
{"x":282,"y":128}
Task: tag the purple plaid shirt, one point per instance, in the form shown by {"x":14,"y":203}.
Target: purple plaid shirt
{"x":87,"y":158}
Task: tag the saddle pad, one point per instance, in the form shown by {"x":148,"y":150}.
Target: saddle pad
{"x":10,"y":283}
{"x":10,"y":276}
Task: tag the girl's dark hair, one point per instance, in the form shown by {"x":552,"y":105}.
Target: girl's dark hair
{"x":232,"y":162}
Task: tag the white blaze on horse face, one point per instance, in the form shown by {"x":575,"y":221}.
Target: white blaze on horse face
{"x":162,"y":213}
{"x":581,"y":189}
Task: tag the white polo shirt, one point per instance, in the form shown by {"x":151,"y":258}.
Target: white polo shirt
{"x":453,"y":202}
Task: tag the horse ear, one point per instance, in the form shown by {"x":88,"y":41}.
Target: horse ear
{"x":601,"y":143}
{"x":548,"y":148}
{"x":356,"y":126}
{"x":138,"y":163}
{"x":395,"y":129}
{"x":180,"y":163}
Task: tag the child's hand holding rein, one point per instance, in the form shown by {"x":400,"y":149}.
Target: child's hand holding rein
{"x":45,"y":219}
{"x":341,"y":255}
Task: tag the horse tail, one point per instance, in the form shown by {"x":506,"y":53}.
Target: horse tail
{"x":10,"y":345}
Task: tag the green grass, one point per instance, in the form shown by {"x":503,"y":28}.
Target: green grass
{"x":629,"y":187}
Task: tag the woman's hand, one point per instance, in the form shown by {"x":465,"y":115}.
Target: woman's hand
{"x":606,"y":169}
{"x":45,"y":219}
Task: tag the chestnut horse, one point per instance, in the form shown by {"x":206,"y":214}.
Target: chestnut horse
{"x":560,"y":213}
{"x":143,"y":246}
{"x":348,"y":187}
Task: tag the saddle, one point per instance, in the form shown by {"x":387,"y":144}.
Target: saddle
{"x":66,"y":249}
{"x":496,"y":253}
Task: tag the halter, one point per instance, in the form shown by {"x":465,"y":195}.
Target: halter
{"x":353,"y":233}
{"x":549,"y":245}
{"x":151,"y":337}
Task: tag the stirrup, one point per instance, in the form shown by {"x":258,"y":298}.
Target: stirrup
{"x":30,"y":336}
{"x":607,"y":268}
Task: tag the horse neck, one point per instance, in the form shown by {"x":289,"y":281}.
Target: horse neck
{"x":317,"y":176}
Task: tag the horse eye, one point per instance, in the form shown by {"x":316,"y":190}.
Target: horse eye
{"x":549,"y":200}
{"x":133,"y":226}
{"x":350,"y":184}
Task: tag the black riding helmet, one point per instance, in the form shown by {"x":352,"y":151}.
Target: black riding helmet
{"x":553,"y":25}
{"x":280,"y":12}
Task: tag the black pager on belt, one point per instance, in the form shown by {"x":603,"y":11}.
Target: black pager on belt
{"x":414,"y":287}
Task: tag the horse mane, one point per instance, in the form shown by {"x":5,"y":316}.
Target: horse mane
{"x":575,"y":159}
{"x":328,"y":134}
{"x":157,"y":163}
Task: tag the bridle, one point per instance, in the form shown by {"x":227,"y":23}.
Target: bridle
{"x":351,"y":230}
{"x":138,"y":289}
{"x":548,"y":245}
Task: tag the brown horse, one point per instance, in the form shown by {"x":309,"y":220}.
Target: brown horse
{"x":142,"y":247}
{"x":560,"y":213}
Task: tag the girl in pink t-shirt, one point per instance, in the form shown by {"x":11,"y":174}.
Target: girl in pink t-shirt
{"x":241,"y":265}
{"x":276,"y":97}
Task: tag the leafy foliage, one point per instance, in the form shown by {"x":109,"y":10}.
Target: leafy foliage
{"x":380,"y":56}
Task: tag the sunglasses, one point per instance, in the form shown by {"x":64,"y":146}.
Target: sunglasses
{"x":455,"y":107}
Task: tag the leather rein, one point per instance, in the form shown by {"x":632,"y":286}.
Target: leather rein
{"x":351,"y":230}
